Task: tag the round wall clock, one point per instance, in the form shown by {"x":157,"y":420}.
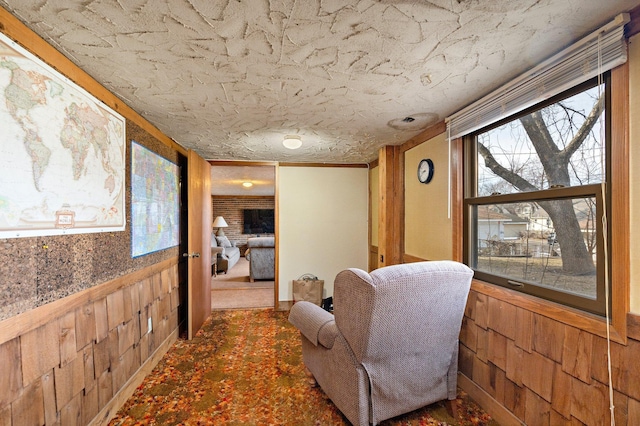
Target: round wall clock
{"x":425,"y":170}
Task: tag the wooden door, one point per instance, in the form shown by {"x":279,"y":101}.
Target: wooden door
{"x":199,"y":243}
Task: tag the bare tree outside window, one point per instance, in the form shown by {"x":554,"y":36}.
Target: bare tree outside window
{"x":551,"y":241}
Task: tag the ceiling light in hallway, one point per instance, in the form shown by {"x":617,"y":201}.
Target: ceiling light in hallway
{"x":292,"y":141}
{"x":247,"y":184}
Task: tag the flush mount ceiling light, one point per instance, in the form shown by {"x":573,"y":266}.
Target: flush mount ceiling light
{"x":247,"y":184}
{"x":414,"y":122}
{"x":292,"y":141}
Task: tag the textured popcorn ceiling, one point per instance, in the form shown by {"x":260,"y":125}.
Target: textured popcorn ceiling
{"x":230,"y":78}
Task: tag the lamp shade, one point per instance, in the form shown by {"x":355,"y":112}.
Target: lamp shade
{"x":219,"y":222}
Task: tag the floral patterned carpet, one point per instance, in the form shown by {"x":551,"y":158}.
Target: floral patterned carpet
{"x":244,"y":367}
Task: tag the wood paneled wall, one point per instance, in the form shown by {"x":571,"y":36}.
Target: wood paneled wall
{"x":75,"y":361}
{"x":543,"y":371}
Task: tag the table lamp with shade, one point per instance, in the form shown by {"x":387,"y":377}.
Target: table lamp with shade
{"x":220,"y":223}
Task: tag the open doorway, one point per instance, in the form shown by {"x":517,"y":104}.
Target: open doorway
{"x":243,"y":198}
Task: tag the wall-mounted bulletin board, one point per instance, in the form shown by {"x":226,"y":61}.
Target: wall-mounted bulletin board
{"x":65,"y":177}
{"x":39,"y":270}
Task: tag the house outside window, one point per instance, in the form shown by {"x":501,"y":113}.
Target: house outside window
{"x":535,"y":194}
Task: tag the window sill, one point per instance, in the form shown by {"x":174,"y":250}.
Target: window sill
{"x":564,"y":314}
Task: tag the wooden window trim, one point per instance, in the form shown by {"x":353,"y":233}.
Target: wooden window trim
{"x":620,"y":272}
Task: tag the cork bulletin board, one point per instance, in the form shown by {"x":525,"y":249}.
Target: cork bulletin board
{"x":38,"y":270}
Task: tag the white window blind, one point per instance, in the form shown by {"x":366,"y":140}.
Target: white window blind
{"x":598,"y":52}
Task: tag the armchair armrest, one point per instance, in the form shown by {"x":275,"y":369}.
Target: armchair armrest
{"x":316,"y":324}
{"x":216,"y":251}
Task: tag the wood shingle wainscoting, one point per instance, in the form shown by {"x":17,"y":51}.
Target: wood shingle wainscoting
{"x":76,"y":360}
{"x":516,"y":356}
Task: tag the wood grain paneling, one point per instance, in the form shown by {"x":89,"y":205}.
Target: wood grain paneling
{"x":11,"y":377}
{"x":561,"y":392}
{"x":620,"y":244}
{"x":67,"y":339}
{"x":531,"y":375}
{"x":69,"y":381}
{"x":85,"y":320}
{"x":499,"y":414}
{"x":457,"y":195}
{"x":199,"y":244}
{"x":39,"y":351}
{"x":537,"y":411}
{"x":524,"y":329}
{"x":503,"y":316}
{"x":633,"y":326}
{"x":68,"y":370}
{"x":576,"y":353}
{"x":548,"y":337}
{"x":497,"y":354}
{"x":545,"y":366}
{"x":429,"y":133}
{"x":389,"y":216}
{"x":49,"y":395}
{"x":559,"y":313}
{"x":28,"y":408}
{"x":515,"y":361}
{"x":407,"y":258}
{"x":90,"y":406}
{"x":589,"y":402}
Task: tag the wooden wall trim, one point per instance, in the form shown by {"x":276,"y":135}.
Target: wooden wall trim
{"x":16,"y":30}
{"x":244,"y":197}
{"x":620,"y":223}
{"x":633,"y":326}
{"x":407,"y":258}
{"x":633,"y":27}
{"x":561,"y":313}
{"x":457,"y":196}
{"x":390,"y":218}
{"x":241,"y":163}
{"x":498,"y":412}
{"x":276,"y":281}
{"x":424,"y":136}
{"x":346,"y":165}
{"x":109,"y":411}
{"x":30,"y":320}
{"x":284,"y":305}
{"x":400,"y":209}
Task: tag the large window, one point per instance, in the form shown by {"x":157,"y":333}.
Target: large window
{"x":535,"y":198}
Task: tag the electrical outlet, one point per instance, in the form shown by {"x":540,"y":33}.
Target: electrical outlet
{"x":149,"y":325}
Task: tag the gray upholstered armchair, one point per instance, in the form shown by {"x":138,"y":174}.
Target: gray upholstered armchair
{"x":391,"y":346}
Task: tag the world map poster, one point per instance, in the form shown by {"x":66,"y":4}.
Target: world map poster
{"x":155,"y":202}
{"x":62,"y":152}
